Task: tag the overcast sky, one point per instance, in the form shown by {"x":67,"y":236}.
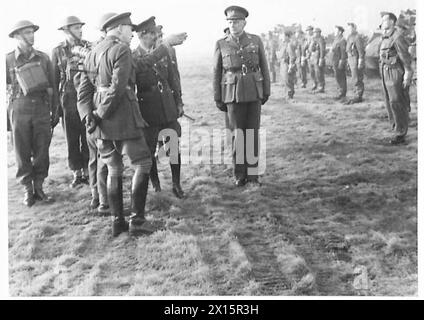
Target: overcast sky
{"x":203,"y":20}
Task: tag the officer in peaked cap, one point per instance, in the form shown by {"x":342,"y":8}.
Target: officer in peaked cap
{"x":118,"y":19}
{"x":31,"y":101}
{"x":241,"y":85}
{"x":159,"y":95}
{"x":65,"y":65}
{"x":355,"y":48}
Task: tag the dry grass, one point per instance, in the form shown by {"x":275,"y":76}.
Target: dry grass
{"x":335,"y":199}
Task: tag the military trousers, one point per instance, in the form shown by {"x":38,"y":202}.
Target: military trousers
{"x":245,"y":119}
{"x":137,"y":151}
{"x":272,"y":71}
{"x":168,"y":133}
{"x":97,"y":171}
{"x":30,"y":121}
{"x":288,"y":79}
{"x":340,"y":76}
{"x":396,"y":97}
{"x":303,"y":72}
{"x":357,"y":77}
{"x":75,"y":133}
{"x":319,"y":72}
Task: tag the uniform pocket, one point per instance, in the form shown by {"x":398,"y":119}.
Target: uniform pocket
{"x":252,"y":53}
{"x":228,"y":87}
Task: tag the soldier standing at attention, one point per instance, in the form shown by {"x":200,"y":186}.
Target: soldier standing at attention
{"x":242,"y":83}
{"x":66,"y":70}
{"x":339,"y":62}
{"x":286,"y":55}
{"x":396,"y":74}
{"x":317,"y":60}
{"x":107,"y":101}
{"x":271,"y":50}
{"x":356,"y":58}
{"x":159,"y":97}
{"x":309,"y":40}
{"x":31,"y":101}
{"x":302,"y":64}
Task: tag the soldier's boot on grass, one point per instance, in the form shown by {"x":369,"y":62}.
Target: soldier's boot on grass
{"x":154,"y":176}
{"x":39,"y":194}
{"x":28,"y":195}
{"x":114,"y":193}
{"x":138,"y":224}
{"x":354,"y":100}
{"x":176,"y":177}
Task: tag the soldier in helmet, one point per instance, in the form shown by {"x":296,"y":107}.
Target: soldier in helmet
{"x":317,"y":60}
{"x":356,"y":58}
{"x":31,"y":100}
{"x":339,"y":58}
{"x":115,"y":117}
{"x":66,"y":65}
{"x":159,"y":96}
{"x":309,"y":39}
{"x":271,"y":51}
{"x":286,"y":56}
{"x":301,"y":50}
{"x":242,"y":84}
{"x":396,"y":75}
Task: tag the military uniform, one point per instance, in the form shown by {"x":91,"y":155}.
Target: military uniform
{"x":301,"y":56}
{"x":309,"y":40}
{"x":242,"y":82}
{"x":395,"y":67}
{"x":339,"y":58}
{"x":106,"y":94}
{"x":317,"y":61}
{"x":287,"y":57}
{"x":30,"y":115}
{"x":66,"y":70}
{"x":159,"y":94}
{"x":271,"y":54}
{"x":356,"y":55}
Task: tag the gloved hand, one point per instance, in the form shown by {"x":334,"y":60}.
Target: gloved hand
{"x":175,"y":39}
{"x":221,"y":106}
{"x":180,"y":109}
{"x":265,"y":99}
{"x":92,"y":121}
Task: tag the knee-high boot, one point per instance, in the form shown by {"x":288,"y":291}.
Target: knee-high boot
{"x":114,"y":193}
{"x":176,"y":176}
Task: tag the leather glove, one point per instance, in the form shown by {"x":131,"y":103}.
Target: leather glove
{"x":180,"y":109}
{"x":221,"y":106}
{"x":176,"y":39}
{"x":92,"y":121}
{"x":265,"y":99}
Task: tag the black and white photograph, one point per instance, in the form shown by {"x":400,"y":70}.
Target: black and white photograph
{"x":261,"y":149}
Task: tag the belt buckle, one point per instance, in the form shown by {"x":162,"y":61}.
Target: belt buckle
{"x":243,"y":69}
{"x":160,"y":86}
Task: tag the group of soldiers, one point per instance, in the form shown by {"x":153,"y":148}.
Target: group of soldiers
{"x":114,"y":102}
{"x":111,"y":102}
{"x":297,"y":54}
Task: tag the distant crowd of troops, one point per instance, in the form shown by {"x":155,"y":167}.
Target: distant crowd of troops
{"x":113,"y":101}
{"x":295,"y":54}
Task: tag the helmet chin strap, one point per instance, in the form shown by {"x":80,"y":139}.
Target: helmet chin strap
{"x":76,"y":39}
{"x":29,"y":45}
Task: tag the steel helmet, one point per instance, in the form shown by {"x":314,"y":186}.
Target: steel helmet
{"x":22,"y":25}
{"x":70,"y":21}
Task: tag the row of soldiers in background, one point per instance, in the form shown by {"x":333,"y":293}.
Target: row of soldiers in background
{"x":298,"y":54}
{"x":302,"y":53}
{"x":92,"y":89}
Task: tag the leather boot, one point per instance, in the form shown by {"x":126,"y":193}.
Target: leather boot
{"x":154,"y":177}
{"x":138,"y":223}
{"x":114,"y":193}
{"x":28,"y":195}
{"x":39,"y":194}
{"x":176,"y":174}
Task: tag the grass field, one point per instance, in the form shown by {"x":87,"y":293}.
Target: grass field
{"x":336,"y":213}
